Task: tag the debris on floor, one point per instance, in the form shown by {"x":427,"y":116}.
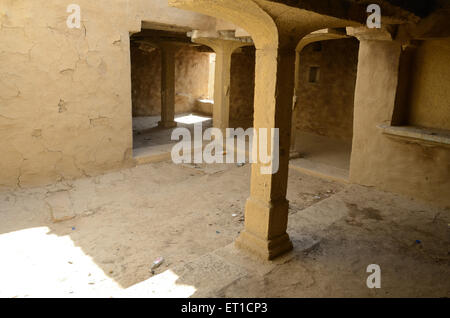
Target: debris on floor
{"x":116,"y":241}
{"x":156,"y":263}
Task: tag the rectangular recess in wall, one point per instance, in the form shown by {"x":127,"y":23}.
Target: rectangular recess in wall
{"x":314,"y":74}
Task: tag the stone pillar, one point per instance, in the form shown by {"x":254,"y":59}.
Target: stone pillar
{"x":223,"y":49}
{"x":375,"y":97}
{"x":266,"y":211}
{"x":168,"y":51}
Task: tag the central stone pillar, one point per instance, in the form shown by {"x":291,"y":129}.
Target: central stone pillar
{"x":266,"y":212}
{"x":222,"y":76}
{"x":168,"y":51}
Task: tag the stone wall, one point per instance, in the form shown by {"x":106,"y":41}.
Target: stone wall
{"x":191,"y":80}
{"x":326,"y":107}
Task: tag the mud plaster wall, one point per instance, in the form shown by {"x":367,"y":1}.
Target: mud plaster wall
{"x":429,"y":99}
{"x":191,"y":80}
{"x":65,"y":94}
{"x":242,"y":87}
{"x":377,"y":160}
{"x":146,"y":82}
{"x":326,"y":107}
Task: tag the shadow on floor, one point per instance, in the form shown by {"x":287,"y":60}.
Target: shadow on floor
{"x":190,"y":215}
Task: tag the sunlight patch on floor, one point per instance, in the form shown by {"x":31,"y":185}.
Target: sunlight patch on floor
{"x":191,"y":119}
{"x":162,"y":285}
{"x":36,"y":263}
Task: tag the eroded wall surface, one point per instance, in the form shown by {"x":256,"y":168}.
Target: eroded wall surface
{"x":242,"y":87}
{"x":146,"y":82}
{"x":191,"y":80}
{"x":429,"y":99}
{"x":417,"y":170}
{"x":326,"y":107}
{"x":65,"y":94}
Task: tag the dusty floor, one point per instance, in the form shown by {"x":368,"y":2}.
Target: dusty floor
{"x":324,"y":150}
{"x":146,"y":132}
{"x":153,"y":144}
{"x":190,"y":215}
{"x":322,"y":156}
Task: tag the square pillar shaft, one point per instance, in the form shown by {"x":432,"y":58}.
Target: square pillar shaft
{"x":266,"y":212}
{"x":168,"y":86}
{"x":222,"y":78}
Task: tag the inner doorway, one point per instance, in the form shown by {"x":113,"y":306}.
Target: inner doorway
{"x":325,"y":101}
{"x":191,"y":65}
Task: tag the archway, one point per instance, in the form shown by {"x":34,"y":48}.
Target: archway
{"x":322,"y":129}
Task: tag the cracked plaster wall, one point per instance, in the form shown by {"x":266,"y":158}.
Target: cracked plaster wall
{"x":65,"y":94}
{"x":419,"y":170}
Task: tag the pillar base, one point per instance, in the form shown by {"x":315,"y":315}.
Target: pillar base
{"x":167,"y":124}
{"x":266,"y":249}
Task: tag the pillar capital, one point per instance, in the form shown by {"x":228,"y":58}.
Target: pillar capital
{"x":366,"y":34}
{"x":168,"y":51}
{"x":220,"y":40}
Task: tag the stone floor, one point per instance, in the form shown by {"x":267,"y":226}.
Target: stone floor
{"x":325,"y":150}
{"x":320,"y":156}
{"x":152,"y":143}
{"x":323,"y":156}
{"x":146,"y":132}
{"x":111,"y":228}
